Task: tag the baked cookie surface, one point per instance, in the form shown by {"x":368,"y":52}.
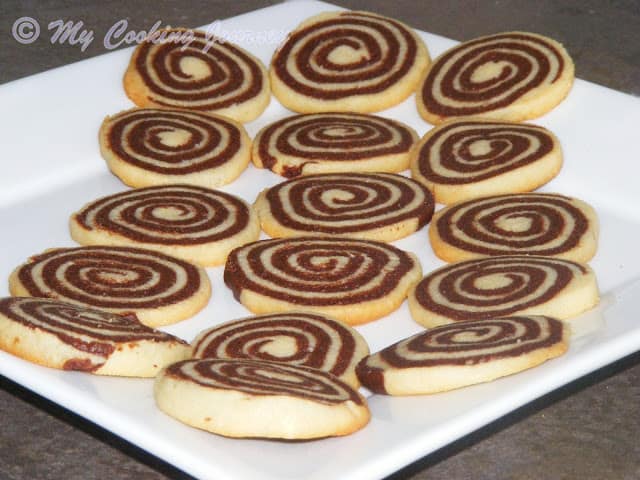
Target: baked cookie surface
{"x":249,"y":398}
{"x":71,"y":337}
{"x":294,"y":338}
{"x":503,"y":286}
{"x":188,"y":69}
{"x":373,"y":206}
{"x":354,"y":281}
{"x":511,"y":76}
{"x":157,"y":288}
{"x":333,"y":142}
{"x":470,"y":158}
{"x":546,"y":224}
{"x":196,"y":224}
{"x":159,"y":146}
{"x":462,"y":354}
{"x":347,"y":61}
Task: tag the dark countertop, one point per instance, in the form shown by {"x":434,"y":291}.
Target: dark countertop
{"x":586,"y":430}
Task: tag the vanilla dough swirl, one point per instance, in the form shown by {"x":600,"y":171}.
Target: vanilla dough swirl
{"x":84,"y":328}
{"x":157,"y":288}
{"x":451,"y":356}
{"x":348,"y":61}
{"x":333,"y":142}
{"x":464,"y":159}
{"x":352,"y":280}
{"x":469,"y":343}
{"x":502,"y":286}
{"x":508,"y":76}
{"x":255,"y":377}
{"x":200,"y":73}
{"x":376,"y":206}
{"x":151,"y":146}
{"x":72,"y":337}
{"x":294,"y":338}
{"x":528,"y":223}
{"x":182,"y":220}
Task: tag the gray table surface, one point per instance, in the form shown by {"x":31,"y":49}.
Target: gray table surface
{"x":586,"y":430}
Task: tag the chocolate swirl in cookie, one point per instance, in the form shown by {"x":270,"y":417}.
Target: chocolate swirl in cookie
{"x":294,"y":338}
{"x":202,"y":74}
{"x":351,"y":204}
{"x":168,"y":215}
{"x":494,"y":287}
{"x":463,"y":344}
{"x":328,"y":138}
{"x":491,"y":73}
{"x":72,"y":337}
{"x":83,"y":328}
{"x":308,"y":271}
{"x":171,"y":142}
{"x":467,"y":151}
{"x":354,"y":281}
{"x":116,"y":279}
{"x":532,"y":223}
{"x":341,"y":55}
{"x":256,"y":377}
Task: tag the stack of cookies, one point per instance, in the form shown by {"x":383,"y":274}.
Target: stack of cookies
{"x":517,"y":270}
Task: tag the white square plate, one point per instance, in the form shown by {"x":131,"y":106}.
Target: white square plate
{"x":52,"y":166}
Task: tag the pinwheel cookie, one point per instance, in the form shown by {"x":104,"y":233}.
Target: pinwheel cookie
{"x":71,"y":337}
{"x":151,"y":146}
{"x":196,"y":224}
{"x":189,"y":69}
{"x":527,"y":223}
{"x":354,"y":281}
{"x":347,"y":61}
{"x":294,"y":338}
{"x":374,"y":206}
{"x":502,"y":286}
{"x":462,"y":354}
{"x":470,"y":158}
{"x":333,"y":142}
{"x":250,"y":398}
{"x":511,"y":76}
{"x":157,"y":288}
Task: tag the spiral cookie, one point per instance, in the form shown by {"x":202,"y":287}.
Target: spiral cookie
{"x":374,"y":206}
{"x":502,"y":286}
{"x":294,"y":338}
{"x":193,"y":223}
{"x":528,"y":223}
{"x":347,"y":61}
{"x":190,"y":69}
{"x":150,"y":146}
{"x":157,"y":288}
{"x":465,"y":353}
{"x":508,"y":76}
{"x":465,"y":159}
{"x":250,"y":398}
{"x":354,"y":281}
{"x":71,"y":337}
{"x":333,"y":142}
